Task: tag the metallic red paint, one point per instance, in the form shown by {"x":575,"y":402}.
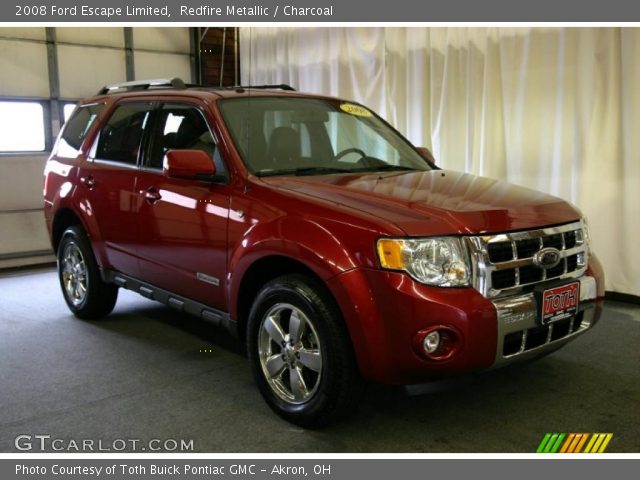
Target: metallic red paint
{"x":385,"y":310}
{"x":187,"y":164}
{"x":328,"y":223}
{"x":437,"y":202}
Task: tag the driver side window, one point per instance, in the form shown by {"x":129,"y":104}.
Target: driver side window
{"x":183,"y":127}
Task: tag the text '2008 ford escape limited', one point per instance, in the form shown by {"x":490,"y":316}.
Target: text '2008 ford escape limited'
{"x":317,"y":234}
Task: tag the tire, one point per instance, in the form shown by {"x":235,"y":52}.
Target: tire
{"x":87,"y":296}
{"x":314,"y":378}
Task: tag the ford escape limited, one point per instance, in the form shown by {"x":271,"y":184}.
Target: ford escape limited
{"x":312,"y":230}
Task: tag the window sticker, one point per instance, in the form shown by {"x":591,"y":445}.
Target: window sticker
{"x":355,"y":110}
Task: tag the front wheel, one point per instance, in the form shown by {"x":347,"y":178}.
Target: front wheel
{"x":300,"y":352}
{"x":87,"y":296}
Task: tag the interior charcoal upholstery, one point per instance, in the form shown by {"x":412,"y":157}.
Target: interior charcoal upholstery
{"x":284,"y":147}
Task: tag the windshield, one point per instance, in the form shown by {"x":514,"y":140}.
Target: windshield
{"x":304,"y":136}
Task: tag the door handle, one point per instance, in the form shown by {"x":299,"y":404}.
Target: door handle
{"x":151,"y":195}
{"x":88,"y":182}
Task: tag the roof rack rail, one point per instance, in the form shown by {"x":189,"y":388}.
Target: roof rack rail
{"x":176,"y":83}
{"x":281,"y":86}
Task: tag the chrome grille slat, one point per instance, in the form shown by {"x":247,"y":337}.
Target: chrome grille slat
{"x":514,"y":251}
{"x":550,"y":333}
{"x":491,"y":254}
{"x":523,"y":345}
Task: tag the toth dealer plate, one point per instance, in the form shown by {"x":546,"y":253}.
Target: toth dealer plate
{"x":558,"y":302}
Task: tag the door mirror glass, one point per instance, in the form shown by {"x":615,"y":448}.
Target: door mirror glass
{"x":189,"y":165}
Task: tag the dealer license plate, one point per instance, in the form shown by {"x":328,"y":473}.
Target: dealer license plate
{"x":559,"y":302}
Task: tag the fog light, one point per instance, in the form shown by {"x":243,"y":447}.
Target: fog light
{"x":437,"y":343}
{"x":431,"y":342}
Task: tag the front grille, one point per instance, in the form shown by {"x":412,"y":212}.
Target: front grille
{"x":500,"y":251}
{"x":504,"y":263}
{"x":504,"y":251}
{"x":521,"y":341}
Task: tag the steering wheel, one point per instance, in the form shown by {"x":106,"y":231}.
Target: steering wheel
{"x":347,"y":151}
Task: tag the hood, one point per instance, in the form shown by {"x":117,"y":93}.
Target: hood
{"x":437,"y":202}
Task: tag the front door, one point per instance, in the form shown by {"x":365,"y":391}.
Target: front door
{"x":183,"y":223}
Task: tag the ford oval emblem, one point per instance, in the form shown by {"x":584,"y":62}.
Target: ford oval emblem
{"x":547,"y":258}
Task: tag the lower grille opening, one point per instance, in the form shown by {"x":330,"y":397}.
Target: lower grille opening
{"x":512,"y":343}
{"x":577,"y":321}
{"x":536,"y":337}
{"x":561,"y":329}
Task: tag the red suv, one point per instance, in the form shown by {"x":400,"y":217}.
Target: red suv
{"x":316,"y":233}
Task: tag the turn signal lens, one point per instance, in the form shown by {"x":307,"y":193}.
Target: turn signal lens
{"x":390,"y":253}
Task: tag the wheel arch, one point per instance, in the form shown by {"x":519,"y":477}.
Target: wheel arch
{"x":63,"y":219}
{"x":259,"y":273}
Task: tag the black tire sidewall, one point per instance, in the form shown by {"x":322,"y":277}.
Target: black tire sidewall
{"x":302,"y":295}
{"x":71,"y":237}
{"x":100,"y":297}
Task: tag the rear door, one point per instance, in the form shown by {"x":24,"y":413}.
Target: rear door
{"x":182,"y":224}
{"x":108,"y":179}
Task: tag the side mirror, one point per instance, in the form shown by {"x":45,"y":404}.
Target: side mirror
{"x":188,"y":165}
{"x":426,"y":153}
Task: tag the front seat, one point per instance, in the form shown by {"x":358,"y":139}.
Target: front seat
{"x":188,"y":135}
{"x":284,"y":147}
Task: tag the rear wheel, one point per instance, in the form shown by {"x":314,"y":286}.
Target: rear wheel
{"x":87,"y":296}
{"x":300,"y":352}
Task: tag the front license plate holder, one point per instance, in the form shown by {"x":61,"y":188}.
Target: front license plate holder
{"x":557,"y":302}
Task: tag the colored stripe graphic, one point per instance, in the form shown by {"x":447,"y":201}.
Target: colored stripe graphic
{"x":598,"y":443}
{"x":576,"y":439}
{"x":581,"y":443}
{"x":606,"y":442}
{"x":556,"y":445}
{"x":567,"y":443}
{"x":590,"y":444}
{"x":574,"y":443}
{"x":543,"y":443}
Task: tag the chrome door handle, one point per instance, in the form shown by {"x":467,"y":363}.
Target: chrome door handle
{"x":151,"y":195}
{"x":88,"y":182}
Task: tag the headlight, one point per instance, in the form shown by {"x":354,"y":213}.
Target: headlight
{"x":585,"y":231}
{"x":583,"y":238}
{"x":440,"y":261}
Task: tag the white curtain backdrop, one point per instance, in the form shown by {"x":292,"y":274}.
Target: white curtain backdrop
{"x":555,"y":109}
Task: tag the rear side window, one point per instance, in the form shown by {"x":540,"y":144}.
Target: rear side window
{"x":121,"y":137}
{"x":76,"y":129}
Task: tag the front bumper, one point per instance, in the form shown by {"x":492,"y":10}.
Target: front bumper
{"x":521,"y":337}
{"x":385,"y":310}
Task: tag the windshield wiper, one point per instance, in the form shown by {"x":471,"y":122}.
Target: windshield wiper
{"x":388,"y":168}
{"x":303,"y":171}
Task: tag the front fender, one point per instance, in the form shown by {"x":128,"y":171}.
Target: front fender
{"x":304,"y":240}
